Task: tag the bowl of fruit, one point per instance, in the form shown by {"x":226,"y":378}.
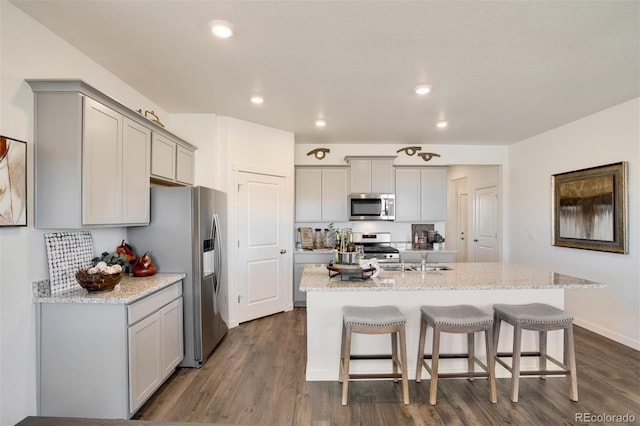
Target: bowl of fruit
{"x":104,"y":275}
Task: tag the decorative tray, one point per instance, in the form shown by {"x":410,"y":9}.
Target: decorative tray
{"x":349,"y":272}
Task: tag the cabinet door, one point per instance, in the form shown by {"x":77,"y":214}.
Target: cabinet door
{"x":407,"y":195}
{"x":360,"y":176}
{"x":299,"y":297}
{"x":382,"y":176}
{"x":163,"y":157}
{"x":433,"y":194}
{"x":136,"y":163}
{"x":172,"y":348}
{"x":334,"y":202}
{"x":308,"y":194}
{"x":184,"y":165}
{"x":101,"y":165}
{"x":144,"y":360}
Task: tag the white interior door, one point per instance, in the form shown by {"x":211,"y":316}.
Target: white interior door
{"x":463,"y":226}
{"x":486,"y":225}
{"x":263,"y":281}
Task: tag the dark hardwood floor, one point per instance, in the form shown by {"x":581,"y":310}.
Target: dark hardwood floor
{"x":257,"y":377}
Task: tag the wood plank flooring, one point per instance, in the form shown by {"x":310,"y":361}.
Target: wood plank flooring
{"x":257,"y":377}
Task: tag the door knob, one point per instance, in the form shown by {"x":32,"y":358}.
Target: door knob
{"x":475,"y":241}
{"x":283,"y":251}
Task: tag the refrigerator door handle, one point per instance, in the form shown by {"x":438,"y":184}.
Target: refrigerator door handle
{"x":215,"y":231}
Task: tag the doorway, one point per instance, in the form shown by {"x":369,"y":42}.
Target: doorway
{"x":487,"y":219}
{"x":264,"y":281}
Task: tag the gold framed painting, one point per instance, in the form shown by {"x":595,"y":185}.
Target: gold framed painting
{"x":13,"y":182}
{"x":590,"y":208}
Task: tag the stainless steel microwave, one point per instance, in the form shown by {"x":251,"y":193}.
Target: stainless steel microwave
{"x":372,"y":207}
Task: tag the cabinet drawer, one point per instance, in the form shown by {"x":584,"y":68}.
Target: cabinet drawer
{"x":153,"y":302}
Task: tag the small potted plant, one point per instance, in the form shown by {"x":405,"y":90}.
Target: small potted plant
{"x":438,"y":241}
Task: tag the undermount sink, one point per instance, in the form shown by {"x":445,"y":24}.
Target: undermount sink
{"x":415,"y":267}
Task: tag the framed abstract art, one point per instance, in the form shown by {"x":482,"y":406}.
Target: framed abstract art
{"x":590,"y":208}
{"x":13,"y":182}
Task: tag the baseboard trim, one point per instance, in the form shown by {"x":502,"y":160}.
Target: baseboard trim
{"x":624,"y":340}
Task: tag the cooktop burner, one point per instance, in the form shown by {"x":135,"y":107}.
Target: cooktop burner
{"x":380,"y":249}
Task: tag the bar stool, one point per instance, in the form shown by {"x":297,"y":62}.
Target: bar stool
{"x":456,"y":319}
{"x":542,"y":318}
{"x":374,"y":320}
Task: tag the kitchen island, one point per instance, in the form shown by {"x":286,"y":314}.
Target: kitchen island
{"x":478,"y":284}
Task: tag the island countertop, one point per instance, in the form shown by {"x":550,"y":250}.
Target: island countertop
{"x":461,"y":276}
{"x":126,"y":292}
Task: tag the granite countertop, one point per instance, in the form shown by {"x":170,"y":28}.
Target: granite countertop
{"x":126,"y":292}
{"x":462,"y":276}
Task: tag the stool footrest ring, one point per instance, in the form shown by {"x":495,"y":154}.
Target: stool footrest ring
{"x":365,"y":357}
{"x":374,"y":376}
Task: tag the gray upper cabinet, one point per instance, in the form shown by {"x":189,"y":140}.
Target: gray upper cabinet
{"x":115,"y":168}
{"x":371,"y":175}
{"x":170,"y":161}
{"x":184,"y":165}
{"x":421,"y":194}
{"x":92,"y":158}
{"x":321,"y":194}
{"x":163,"y":158}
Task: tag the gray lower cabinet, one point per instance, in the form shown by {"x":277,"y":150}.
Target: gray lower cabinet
{"x":299,"y":260}
{"x":105,"y":360}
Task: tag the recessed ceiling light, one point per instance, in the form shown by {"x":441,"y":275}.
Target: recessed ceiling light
{"x":442,"y":124}
{"x":423,"y":89}
{"x":221,"y":29}
{"x":257,"y":99}
{"x":320,"y":123}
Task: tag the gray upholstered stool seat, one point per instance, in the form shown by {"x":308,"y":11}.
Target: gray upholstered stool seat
{"x":374,"y":320}
{"x":378,"y":316}
{"x":456,"y":319}
{"x":542,"y":318}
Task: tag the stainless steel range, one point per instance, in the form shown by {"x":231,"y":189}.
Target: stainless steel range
{"x":377,"y":245}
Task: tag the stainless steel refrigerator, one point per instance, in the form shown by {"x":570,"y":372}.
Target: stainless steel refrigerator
{"x":186,"y":235}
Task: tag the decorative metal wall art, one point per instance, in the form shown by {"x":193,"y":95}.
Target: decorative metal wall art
{"x":590,"y":208}
{"x":13,"y":182}
{"x":426,"y":156}
{"x":409,"y":150}
{"x":155,"y":118}
{"x":319,"y":153}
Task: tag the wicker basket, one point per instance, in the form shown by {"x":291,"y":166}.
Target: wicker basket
{"x":98,"y":282}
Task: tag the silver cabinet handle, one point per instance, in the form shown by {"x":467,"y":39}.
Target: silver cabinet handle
{"x":283,"y":251}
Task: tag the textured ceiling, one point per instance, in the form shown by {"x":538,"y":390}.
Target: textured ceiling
{"x":501,"y":71}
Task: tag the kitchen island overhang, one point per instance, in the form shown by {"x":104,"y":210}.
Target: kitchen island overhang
{"x":477,"y":284}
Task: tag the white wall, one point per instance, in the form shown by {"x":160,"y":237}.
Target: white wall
{"x":449,"y":154}
{"x":200,"y":130}
{"x":609,"y":136}
{"x":29,"y":50}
